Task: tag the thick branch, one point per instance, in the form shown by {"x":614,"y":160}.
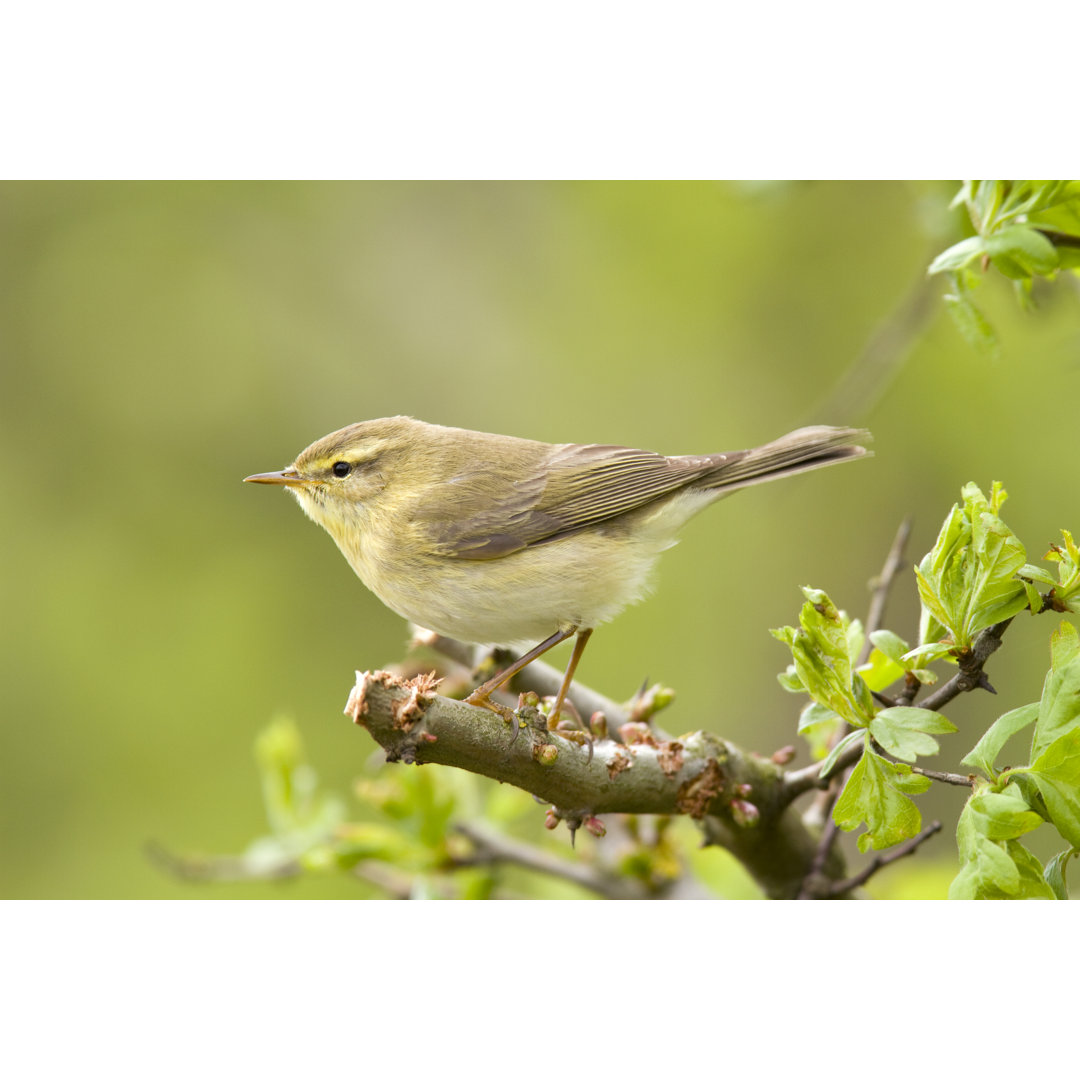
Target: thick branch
{"x":540,"y":677}
{"x":735,"y":796}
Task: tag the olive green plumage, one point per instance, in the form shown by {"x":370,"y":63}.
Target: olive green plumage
{"x":499,"y":540}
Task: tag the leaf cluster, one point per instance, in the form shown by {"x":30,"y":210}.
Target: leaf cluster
{"x":1024,"y":229}
{"x":973,"y":580}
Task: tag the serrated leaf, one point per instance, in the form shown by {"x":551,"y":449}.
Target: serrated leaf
{"x":872,"y":795}
{"x":822,"y":653}
{"x":986,"y":750}
{"x":905,"y":732}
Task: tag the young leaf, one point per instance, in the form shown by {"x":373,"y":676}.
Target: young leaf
{"x":905,"y":732}
{"x":880,"y":671}
{"x":957,"y":256}
{"x":994,"y":864}
{"x":968,"y":580}
{"x":972,"y":324}
{"x":1024,"y":248}
{"x":1055,"y":872}
{"x":1056,"y":772}
{"x":874,"y":794}
{"x":822,"y":649}
{"x":1059,"y":708}
{"x":892,"y":645}
{"x":830,"y":761}
{"x":1001,"y":730}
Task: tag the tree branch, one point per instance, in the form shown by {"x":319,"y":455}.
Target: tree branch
{"x":842,"y":888}
{"x":736,"y":797}
{"x":971,"y":675}
{"x":539,"y":677}
{"x":494,"y":848}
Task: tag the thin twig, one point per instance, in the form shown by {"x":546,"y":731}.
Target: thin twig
{"x":222,"y":867}
{"x":493,"y":848}
{"x":841,"y":888}
{"x":811,"y":883}
{"x":883,"y":355}
{"x":882,"y":584}
{"x":944,"y":777}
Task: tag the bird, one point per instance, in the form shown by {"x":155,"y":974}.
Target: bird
{"x":504,"y":541}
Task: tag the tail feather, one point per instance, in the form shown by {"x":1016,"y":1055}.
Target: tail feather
{"x":798,"y":451}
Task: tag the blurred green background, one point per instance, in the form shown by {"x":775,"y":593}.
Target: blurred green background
{"x":160,"y":341}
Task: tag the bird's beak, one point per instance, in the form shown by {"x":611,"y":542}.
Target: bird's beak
{"x":288,"y":477}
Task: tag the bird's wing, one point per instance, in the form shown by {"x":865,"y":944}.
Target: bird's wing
{"x":572,"y":488}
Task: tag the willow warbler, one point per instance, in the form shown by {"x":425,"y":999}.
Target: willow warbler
{"x":497,"y":540}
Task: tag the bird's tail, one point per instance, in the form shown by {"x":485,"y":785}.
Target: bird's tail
{"x":798,"y":451}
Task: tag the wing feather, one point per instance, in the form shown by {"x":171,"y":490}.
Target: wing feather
{"x":574,"y":487}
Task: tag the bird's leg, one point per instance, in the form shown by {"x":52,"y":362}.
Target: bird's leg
{"x":482,"y":694}
{"x":568,"y":678}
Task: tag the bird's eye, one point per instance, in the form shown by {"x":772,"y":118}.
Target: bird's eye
{"x":341,"y":468}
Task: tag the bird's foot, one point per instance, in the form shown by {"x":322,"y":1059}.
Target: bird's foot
{"x":483,"y":700}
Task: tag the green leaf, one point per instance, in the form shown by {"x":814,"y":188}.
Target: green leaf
{"x":994,"y":865}
{"x":1059,"y":708}
{"x":905,"y":732}
{"x":880,"y":671}
{"x":935,"y":650}
{"x":967,"y":581}
{"x":873,"y":795}
{"x":1037,"y":573}
{"x":815,"y":714}
{"x":1034,"y":597}
{"x":1055,"y":872}
{"x":1022,"y":248}
{"x":1056,"y":772}
{"x":1068,"y":560}
{"x":830,"y":761}
{"x":822,"y":649}
{"x":958,"y":255}
{"x":892,"y":645}
{"x":1003,"y":728}
{"x":972,"y":324}
{"x":1002,"y":815}
{"x":790,"y":681}
{"x":818,"y":726}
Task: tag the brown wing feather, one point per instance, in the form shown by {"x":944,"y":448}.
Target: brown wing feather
{"x":572,"y":488}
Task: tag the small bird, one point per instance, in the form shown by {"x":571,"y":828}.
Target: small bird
{"x":497,"y":540}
